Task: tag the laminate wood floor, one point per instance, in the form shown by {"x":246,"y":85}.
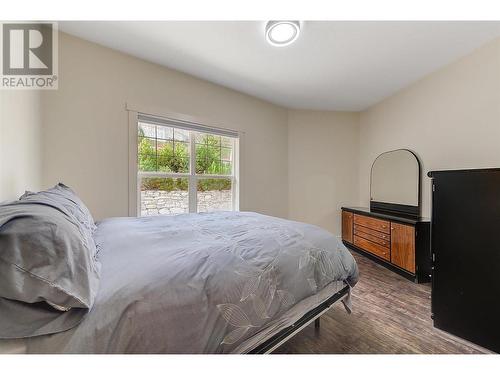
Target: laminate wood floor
{"x":390,"y":315}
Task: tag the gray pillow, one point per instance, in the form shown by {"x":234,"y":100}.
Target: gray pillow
{"x":47,"y":266}
{"x":65,"y":196}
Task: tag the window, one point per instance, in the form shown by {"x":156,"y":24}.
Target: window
{"x":184,"y":167}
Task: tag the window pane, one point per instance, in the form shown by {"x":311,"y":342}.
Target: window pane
{"x":227,"y":142}
{"x":181,"y":135}
{"x":207,"y":159}
{"x":146,"y":130}
{"x":200,"y":165}
{"x":179,"y":164}
{"x":164,"y":147}
{"x":164,"y":196}
{"x":214,"y":194}
{"x":208,"y":139}
{"x":226,"y":168}
{"x":226,"y":154}
{"x":164,"y":132}
{"x":200,"y":138}
{"x":162,"y":154}
{"x":181,"y":149}
{"x":147,"y":163}
{"x":214,"y":154}
{"x":173,"y":156}
{"x":164,"y":163}
{"x":146,"y":146}
{"x":146,"y":154}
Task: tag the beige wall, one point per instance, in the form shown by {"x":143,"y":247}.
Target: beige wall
{"x":20,"y":147}
{"x":451,"y":119}
{"x":300,"y":164}
{"x":322,"y":166}
{"x":85,"y":138}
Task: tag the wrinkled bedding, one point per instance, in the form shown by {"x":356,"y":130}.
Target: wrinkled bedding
{"x":47,"y":265}
{"x":201,"y":283}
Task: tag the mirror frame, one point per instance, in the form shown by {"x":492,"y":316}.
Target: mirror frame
{"x":395,"y":208}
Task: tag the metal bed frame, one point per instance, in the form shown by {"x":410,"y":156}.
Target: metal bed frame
{"x":287,"y":333}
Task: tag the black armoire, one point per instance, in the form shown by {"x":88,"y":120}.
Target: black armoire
{"x":465,"y":247}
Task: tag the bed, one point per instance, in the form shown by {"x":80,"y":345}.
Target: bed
{"x":222,"y":282}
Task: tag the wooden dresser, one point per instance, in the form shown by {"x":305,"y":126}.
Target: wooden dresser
{"x":400,"y":243}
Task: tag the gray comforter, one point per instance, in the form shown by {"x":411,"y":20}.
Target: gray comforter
{"x":202,"y":283}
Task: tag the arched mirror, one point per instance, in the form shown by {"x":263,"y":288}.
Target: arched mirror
{"x":395,"y":183}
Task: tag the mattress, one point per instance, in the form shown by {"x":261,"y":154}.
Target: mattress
{"x":201,"y":283}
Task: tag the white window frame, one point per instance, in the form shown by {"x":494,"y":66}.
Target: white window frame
{"x":192,"y":126}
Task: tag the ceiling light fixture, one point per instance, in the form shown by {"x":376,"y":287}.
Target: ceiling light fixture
{"x":282,"y":33}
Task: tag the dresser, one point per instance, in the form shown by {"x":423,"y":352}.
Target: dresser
{"x":400,"y":243}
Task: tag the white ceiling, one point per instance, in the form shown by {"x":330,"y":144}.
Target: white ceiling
{"x":333,"y":65}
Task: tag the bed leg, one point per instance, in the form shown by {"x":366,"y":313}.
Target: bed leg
{"x":317,"y":323}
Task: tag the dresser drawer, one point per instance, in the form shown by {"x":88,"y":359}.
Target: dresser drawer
{"x":372,"y":223}
{"x":372,"y":247}
{"x":373,"y":232}
{"x":376,"y":239}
